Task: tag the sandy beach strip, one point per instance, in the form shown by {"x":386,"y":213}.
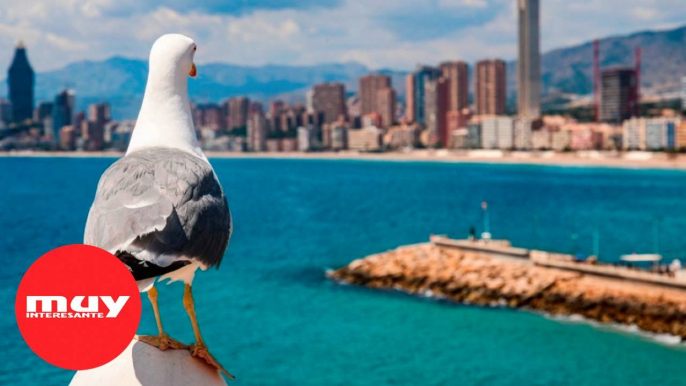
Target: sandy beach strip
{"x":629,"y":160}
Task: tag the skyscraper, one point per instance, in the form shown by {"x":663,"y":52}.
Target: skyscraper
{"x":421,"y":76}
{"x":98,"y":116}
{"x":385,"y":106}
{"x":457,"y":74}
{"x":20,"y":80}
{"x":5,"y":112}
{"x":528,"y":65}
{"x":329,"y":98}
{"x":618,"y":96}
{"x":490,"y":87}
{"x":410,"y":98}
{"x":63,"y":111}
{"x":436,"y":100}
{"x":256,"y":132}
{"x":237,"y":112}
{"x":369,"y":87}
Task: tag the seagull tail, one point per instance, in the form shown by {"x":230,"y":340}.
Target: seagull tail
{"x":141,"y":269}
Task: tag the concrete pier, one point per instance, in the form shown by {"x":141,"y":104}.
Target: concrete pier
{"x":503,"y":249}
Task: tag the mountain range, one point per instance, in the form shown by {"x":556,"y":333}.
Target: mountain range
{"x":121,"y":81}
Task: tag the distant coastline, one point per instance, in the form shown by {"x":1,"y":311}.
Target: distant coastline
{"x":627,"y":160}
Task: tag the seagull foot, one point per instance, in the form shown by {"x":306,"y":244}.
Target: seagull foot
{"x":200,"y":351}
{"x":162,"y":341}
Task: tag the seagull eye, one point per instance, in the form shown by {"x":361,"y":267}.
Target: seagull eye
{"x":195,"y":48}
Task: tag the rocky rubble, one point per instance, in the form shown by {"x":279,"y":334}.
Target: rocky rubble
{"x":475,"y":278}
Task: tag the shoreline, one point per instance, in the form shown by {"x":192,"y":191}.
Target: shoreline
{"x":630,"y":160}
{"x":464,"y":277}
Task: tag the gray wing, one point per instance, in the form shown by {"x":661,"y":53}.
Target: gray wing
{"x":159,"y":205}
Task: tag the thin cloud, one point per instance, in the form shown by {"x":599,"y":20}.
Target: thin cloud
{"x":377,"y":33}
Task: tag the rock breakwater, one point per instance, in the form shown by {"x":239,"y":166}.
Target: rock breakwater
{"x":476,"y":278}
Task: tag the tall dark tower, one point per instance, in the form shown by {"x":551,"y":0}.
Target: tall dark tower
{"x":20,"y":81}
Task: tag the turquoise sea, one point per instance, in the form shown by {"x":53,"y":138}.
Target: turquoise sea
{"x":270,"y":316}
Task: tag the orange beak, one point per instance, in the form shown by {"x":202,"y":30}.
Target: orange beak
{"x":193,"y":72}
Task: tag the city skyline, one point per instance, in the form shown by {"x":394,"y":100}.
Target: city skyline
{"x":437,"y":112}
{"x":304,"y":32}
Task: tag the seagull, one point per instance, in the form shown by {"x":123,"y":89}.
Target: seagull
{"x":161,"y":209}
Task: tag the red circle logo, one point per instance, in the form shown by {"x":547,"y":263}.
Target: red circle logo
{"x":78,"y":307}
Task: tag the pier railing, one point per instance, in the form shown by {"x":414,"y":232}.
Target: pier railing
{"x":503,"y":249}
{"x":546,"y":259}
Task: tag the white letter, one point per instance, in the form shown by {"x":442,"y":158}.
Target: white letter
{"x":46,"y":303}
{"x":78,"y":300}
{"x":114,"y":307}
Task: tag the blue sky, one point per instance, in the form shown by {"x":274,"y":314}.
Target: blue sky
{"x":378,"y":33}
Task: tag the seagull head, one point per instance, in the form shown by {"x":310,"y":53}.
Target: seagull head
{"x":173,"y":54}
{"x":165,"y":118}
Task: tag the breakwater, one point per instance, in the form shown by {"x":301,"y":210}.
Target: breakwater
{"x":479,"y":278}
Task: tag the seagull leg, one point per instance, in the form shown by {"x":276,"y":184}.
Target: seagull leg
{"x":199,"y":349}
{"x":161,"y":341}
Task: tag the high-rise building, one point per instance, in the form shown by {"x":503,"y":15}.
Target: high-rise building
{"x":634,"y":134}
{"x":209,"y":116}
{"x":93,"y":130}
{"x":338,"y":136}
{"x":275,"y":107}
{"x":683,"y":93}
{"x":385,"y":106}
{"x":680,"y":136}
{"x":309,"y":138}
{"x":67,"y":138}
{"x":255,"y":108}
{"x":436,"y":101}
{"x":329,"y":98}
{"x":42,"y":111}
{"x":473,"y":135}
{"x":369,"y":88}
{"x":528,"y":64}
{"x":497,"y":133}
{"x":457,"y":74}
{"x":63,"y":111}
{"x":522,"y":134}
{"x":505,"y":133}
{"x":661,"y":133}
{"x":618,"y":94}
{"x":99,"y":113}
{"x":410,"y":96}
{"x":490,"y":87}
{"x":20,"y":80}
{"x":5,"y":112}
{"x":461,"y":117}
{"x":421,"y":76}
{"x":256,"y":133}
{"x":237,"y":112}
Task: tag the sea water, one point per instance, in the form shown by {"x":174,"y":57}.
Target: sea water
{"x":271,"y":317}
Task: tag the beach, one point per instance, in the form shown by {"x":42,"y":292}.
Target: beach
{"x":631,"y":160}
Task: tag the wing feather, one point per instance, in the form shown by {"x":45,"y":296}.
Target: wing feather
{"x":160,"y":205}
